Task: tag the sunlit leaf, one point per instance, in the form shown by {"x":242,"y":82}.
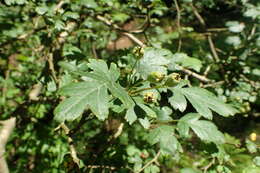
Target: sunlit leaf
{"x":185,"y":61}
{"x":144,"y":122}
{"x":202,"y":100}
{"x":235,"y":26}
{"x":154,"y":60}
{"x":84,"y":94}
{"x":233,"y":40}
{"x":177,"y":100}
{"x":205,"y":130}
{"x":92,"y":94}
{"x":130,"y":115}
{"x":165,"y":136}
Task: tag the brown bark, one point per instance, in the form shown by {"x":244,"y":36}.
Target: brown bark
{"x":6,"y":129}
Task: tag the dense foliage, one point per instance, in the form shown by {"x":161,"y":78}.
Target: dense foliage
{"x":131,"y":86}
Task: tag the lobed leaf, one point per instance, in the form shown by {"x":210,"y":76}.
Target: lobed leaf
{"x":202,"y":100}
{"x":154,"y":60}
{"x":92,"y":94}
{"x":85,"y":94}
{"x":185,"y":61}
{"x":205,"y":130}
{"x":164,"y":135}
{"x":178,"y":101}
{"x":130,"y":115}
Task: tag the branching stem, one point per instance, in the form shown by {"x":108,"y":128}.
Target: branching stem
{"x":150,"y":162}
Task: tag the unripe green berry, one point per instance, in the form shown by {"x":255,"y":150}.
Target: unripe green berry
{"x":138,"y":52}
{"x":173,"y":79}
{"x":155,"y":77}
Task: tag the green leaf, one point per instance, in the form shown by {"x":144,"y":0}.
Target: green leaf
{"x":89,"y":3}
{"x":251,"y":146}
{"x":164,"y":135}
{"x":205,"y":130}
{"x":152,"y":169}
{"x":130,"y":115}
{"x":13,"y":2}
{"x":164,"y":113}
{"x":71,"y":15}
{"x":235,"y":26}
{"x":178,"y":101}
{"x":67,"y":65}
{"x":69,"y":49}
{"x":233,"y":40}
{"x":72,"y":68}
{"x":170,"y":145}
{"x":256,"y":160}
{"x":187,"y":1}
{"x":84,"y":94}
{"x":119,"y":17}
{"x":183,"y":127}
{"x":192,"y":63}
{"x":120,"y":93}
{"x":131,"y":150}
{"x":203,"y":101}
{"x":144,"y":122}
{"x":101,"y":73}
{"x":92,"y":94}
{"x":154,"y":60}
{"x":253,"y":11}
{"x":41,"y":9}
{"x":149,"y":112}
{"x":159,"y":133}
{"x":189,"y":170}
{"x":185,"y":61}
{"x":59,"y":25}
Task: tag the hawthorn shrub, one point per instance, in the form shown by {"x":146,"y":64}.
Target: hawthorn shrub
{"x":131,"y":86}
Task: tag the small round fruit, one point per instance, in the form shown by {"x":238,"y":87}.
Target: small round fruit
{"x":156,"y":77}
{"x":149,"y":97}
{"x":138,"y":52}
{"x":173,"y":79}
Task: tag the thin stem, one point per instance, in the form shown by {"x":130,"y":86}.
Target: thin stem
{"x":73,"y":151}
{"x":166,"y":122}
{"x":198,"y":76}
{"x":132,"y":75}
{"x":150,"y":162}
{"x":196,"y":13}
{"x":178,"y":24}
{"x":213,"y":84}
{"x":213,"y":49}
{"x":209,"y":165}
{"x":129,"y":35}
